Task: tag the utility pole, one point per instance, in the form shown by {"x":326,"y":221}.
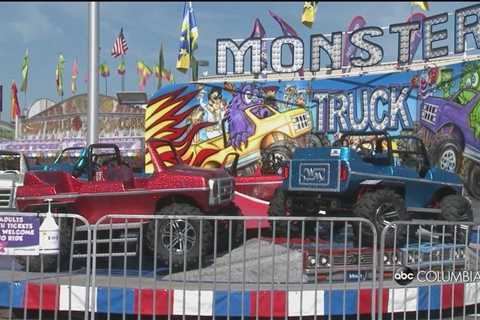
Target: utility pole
{"x":93,"y":51}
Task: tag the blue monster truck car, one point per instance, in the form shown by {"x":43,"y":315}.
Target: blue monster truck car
{"x":371,"y":175}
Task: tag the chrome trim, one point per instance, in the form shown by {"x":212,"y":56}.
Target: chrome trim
{"x":425,"y":210}
{"x":261,"y":182}
{"x":101,"y":194}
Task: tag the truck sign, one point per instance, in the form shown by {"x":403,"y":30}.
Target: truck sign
{"x":314,"y":174}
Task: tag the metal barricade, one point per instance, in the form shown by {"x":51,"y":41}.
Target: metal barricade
{"x":232,"y":266}
{"x":46,"y":285}
{"x":434,"y":270}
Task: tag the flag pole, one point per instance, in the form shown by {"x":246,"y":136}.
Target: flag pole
{"x":17,"y":127}
{"x":123,"y":75}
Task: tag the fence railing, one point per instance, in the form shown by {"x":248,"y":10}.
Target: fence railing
{"x":223,"y":266}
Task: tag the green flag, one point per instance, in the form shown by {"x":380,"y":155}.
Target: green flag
{"x":161,"y":65}
{"x":121,"y":68}
{"x":59,"y":75}
{"x":23,"y":87}
{"x":104,"y":70}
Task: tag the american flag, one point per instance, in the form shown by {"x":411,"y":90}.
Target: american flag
{"x":120,"y":46}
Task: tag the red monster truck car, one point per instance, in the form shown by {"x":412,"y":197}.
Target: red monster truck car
{"x":111,"y":188}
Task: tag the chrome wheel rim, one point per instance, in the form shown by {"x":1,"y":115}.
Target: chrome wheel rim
{"x":448,"y":160}
{"x":386,"y":213}
{"x":182,"y":237}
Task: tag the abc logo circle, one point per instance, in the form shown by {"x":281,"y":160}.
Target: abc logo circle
{"x":404,"y":276}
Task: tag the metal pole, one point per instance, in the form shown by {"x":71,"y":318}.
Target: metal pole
{"x":93,"y":51}
{"x":17,"y":127}
{"x":123,"y":75}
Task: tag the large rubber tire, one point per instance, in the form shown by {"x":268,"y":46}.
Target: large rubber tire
{"x":224,"y":227}
{"x":372,"y":206}
{"x":446,"y":152}
{"x":456,"y":208}
{"x":50,"y":261}
{"x":274,"y":156}
{"x":192,"y":253}
{"x":278,"y":208}
{"x":472,"y":179}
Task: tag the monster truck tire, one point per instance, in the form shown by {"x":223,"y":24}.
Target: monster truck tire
{"x":50,"y":261}
{"x":370,"y":206}
{"x":223,"y":230}
{"x":446,"y":152}
{"x":472,"y":179}
{"x":456,"y":208}
{"x":277,"y":208}
{"x":178,"y":227}
{"x":274,"y":155}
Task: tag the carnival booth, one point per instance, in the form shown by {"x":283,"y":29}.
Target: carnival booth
{"x":46,"y":132}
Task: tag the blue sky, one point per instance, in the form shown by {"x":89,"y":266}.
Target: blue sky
{"x":50,"y":28}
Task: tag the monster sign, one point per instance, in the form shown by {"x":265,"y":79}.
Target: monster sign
{"x":431,"y":30}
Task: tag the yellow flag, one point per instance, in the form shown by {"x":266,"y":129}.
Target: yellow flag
{"x":421,"y":4}
{"x":309,"y":12}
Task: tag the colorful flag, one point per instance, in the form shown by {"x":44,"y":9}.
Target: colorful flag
{"x":421,"y":4}
{"x":259,"y":32}
{"x":159,"y":68}
{"x":121,"y":69}
{"x":120,"y":46}
{"x":349,"y":50}
{"x":104,"y":70}
{"x":288,"y":31}
{"x":23,"y":87}
{"x":59,"y":75}
{"x":74,"y":76}
{"x":144,"y":72}
{"x":309,"y":12}
{"x":188,"y":38}
{"x":14,"y":105}
{"x":167,"y":76}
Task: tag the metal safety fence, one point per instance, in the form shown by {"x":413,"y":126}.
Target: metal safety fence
{"x":36,"y":283}
{"x":141,"y":266}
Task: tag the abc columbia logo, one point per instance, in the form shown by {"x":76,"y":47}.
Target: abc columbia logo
{"x":404,"y":275}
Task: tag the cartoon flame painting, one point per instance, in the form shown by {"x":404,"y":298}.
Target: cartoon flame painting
{"x":166,"y":117}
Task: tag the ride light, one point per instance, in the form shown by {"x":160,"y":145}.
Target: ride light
{"x":343,"y":172}
{"x":323,"y":260}
{"x":312,"y":260}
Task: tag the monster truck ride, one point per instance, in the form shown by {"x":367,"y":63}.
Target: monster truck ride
{"x":111,"y":188}
{"x":374,"y":176}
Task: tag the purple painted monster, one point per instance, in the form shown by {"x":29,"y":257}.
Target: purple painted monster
{"x":240,"y":126}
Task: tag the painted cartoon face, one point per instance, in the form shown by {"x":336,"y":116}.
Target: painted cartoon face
{"x":250,"y":95}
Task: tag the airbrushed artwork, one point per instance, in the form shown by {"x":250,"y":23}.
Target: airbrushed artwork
{"x":261,"y":120}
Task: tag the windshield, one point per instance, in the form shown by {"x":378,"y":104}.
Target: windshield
{"x":9,"y":162}
{"x":464,"y":97}
{"x":69,"y":156}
